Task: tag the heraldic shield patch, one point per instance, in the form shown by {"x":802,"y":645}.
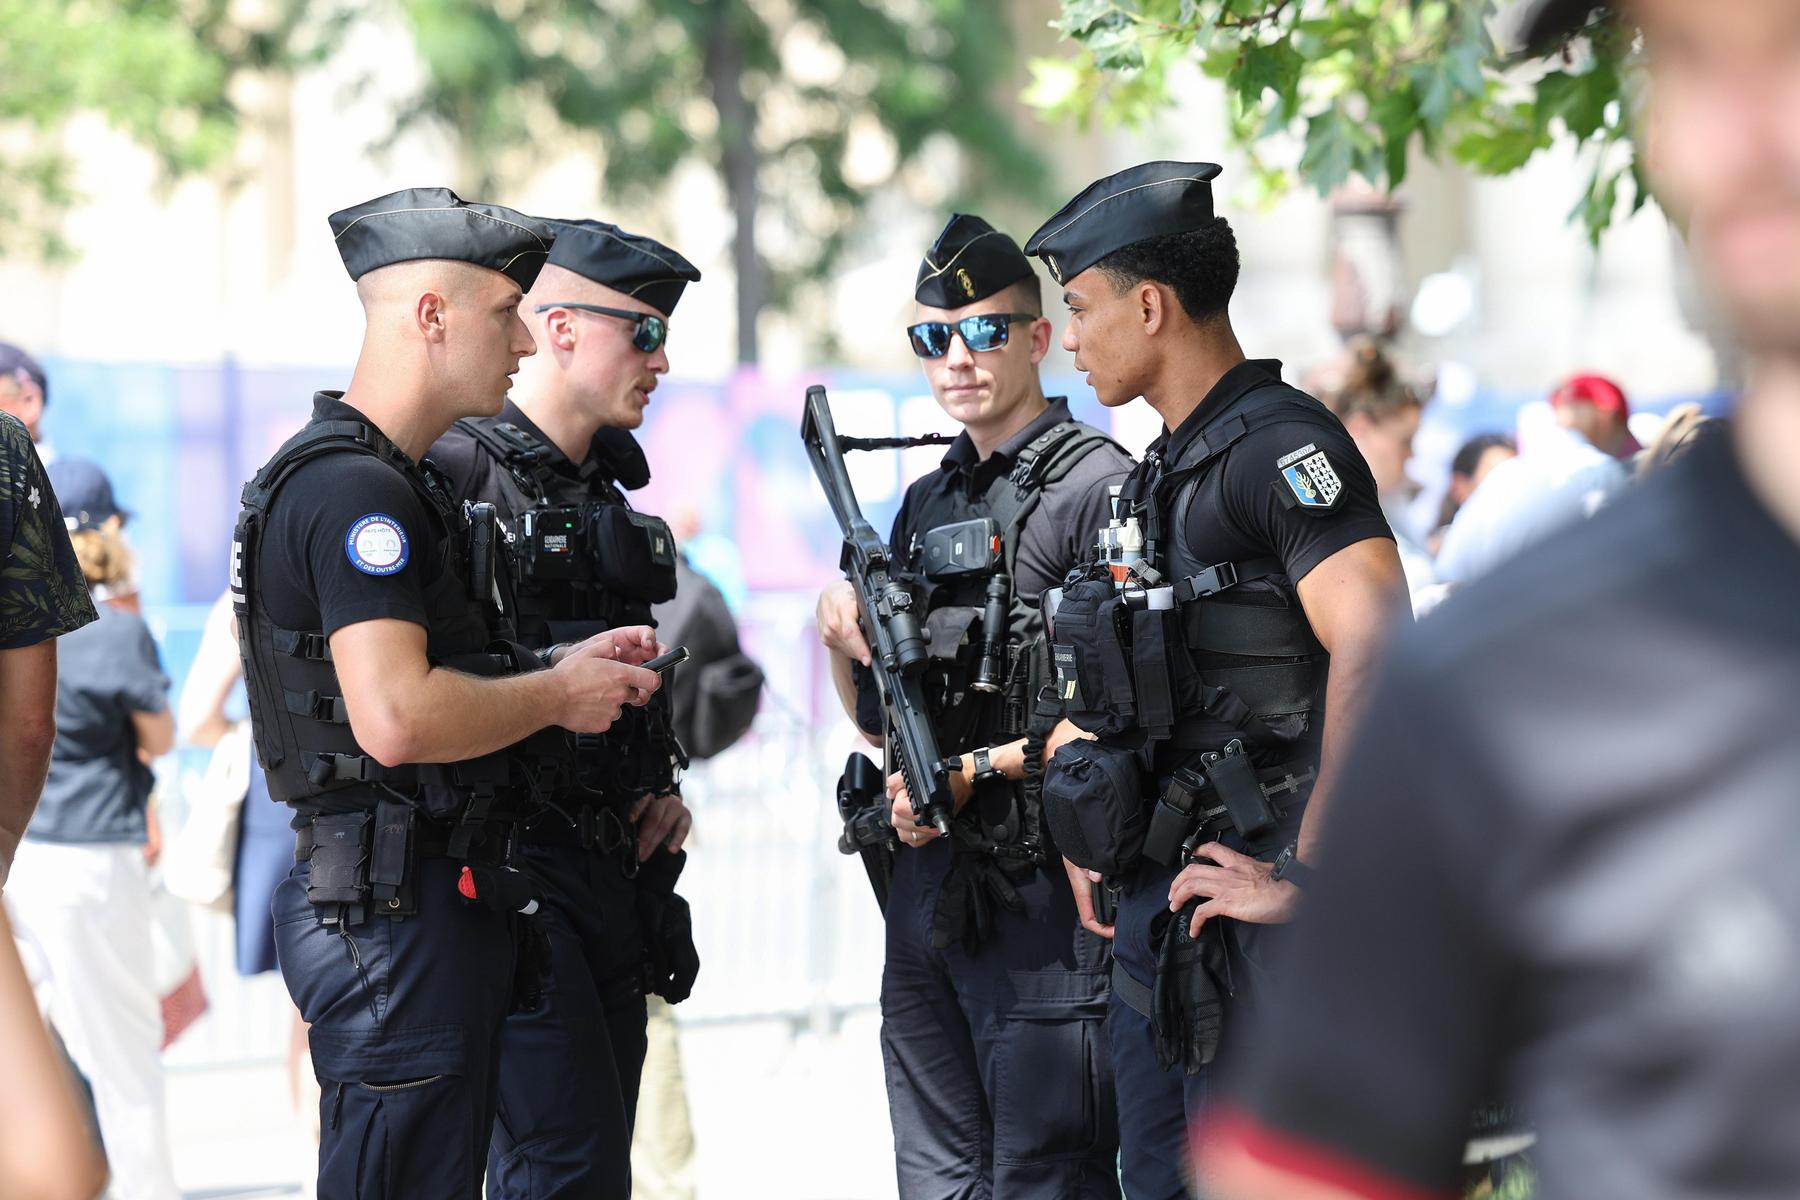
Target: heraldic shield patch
{"x":1311,"y":477}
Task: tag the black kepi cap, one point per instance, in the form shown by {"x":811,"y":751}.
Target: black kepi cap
{"x":638,"y":266}
{"x":970,"y":261}
{"x":437,"y":223}
{"x":1137,"y":204}
{"x":1550,"y":21}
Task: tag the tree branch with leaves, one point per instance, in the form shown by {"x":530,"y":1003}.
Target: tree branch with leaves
{"x":160,"y":71}
{"x":772,"y":98}
{"x":1361,"y":86}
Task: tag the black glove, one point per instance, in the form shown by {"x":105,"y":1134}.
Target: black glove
{"x":974,"y":884}
{"x":671,"y":964}
{"x":1192,"y":981}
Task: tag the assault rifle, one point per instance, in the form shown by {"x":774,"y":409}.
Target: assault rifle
{"x":895,"y":638}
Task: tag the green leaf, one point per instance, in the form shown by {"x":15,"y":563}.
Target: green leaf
{"x":1330,"y":150}
{"x":1396,"y":114}
{"x":1116,"y":45}
{"x":1463,"y":68}
{"x":1079,"y":16}
{"x":1275,"y":67}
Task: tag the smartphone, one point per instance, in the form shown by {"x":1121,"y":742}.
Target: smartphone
{"x":662,"y":663}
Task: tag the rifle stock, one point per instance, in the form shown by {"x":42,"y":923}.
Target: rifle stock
{"x":895,"y":639}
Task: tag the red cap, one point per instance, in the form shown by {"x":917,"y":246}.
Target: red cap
{"x":1604,"y":395}
{"x":1596,"y":390}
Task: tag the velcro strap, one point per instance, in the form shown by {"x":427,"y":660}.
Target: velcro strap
{"x":323,"y":769}
{"x":297,"y":644}
{"x":317,"y":706}
{"x":1267,"y":691}
{"x":1220,"y":576}
{"x":1136,"y":996}
{"x":1263,"y":630}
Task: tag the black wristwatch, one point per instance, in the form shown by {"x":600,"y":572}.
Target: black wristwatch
{"x":985,"y":769}
{"x":1289,"y":867}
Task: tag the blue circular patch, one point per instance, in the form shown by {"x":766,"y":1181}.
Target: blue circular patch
{"x":376,"y":545}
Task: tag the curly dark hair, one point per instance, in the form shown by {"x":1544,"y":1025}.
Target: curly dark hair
{"x":1199,"y":265}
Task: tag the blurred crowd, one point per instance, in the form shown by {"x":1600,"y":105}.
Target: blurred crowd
{"x":1498,"y":497}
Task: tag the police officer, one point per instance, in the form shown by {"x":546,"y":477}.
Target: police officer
{"x":1251,"y":551}
{"x":381,"y":715}
{"x":1562,"y":855}
{"x":992,"y":997}
{"x":557,"y":463}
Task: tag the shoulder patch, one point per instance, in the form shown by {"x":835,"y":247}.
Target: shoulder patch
{"x":1311,"y":477}
{"x":377,"y":545}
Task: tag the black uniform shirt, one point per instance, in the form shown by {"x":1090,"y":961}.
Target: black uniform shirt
{"x":1562,"y":860}
{"x":1237,"y":513}
{"x":1056,"y":537}
{"x":349,"y":540}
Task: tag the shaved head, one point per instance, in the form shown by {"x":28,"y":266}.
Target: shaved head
{"x":400,"y":285}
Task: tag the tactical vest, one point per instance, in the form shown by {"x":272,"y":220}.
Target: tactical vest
{"x":613,"y":566}
{"x":1001,"y":819}
{"x":1233,"y":657}
{"x":301,"y":726}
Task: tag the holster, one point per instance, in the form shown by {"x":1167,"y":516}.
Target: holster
{"x":671,"y":963}
{"x":1231,"y":794}
{"x":868,"y":829}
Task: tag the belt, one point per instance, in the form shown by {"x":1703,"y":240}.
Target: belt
{"x":1134,"y":995}
{"x":429,"y":840}
{"x":1282,"y":785}
{"x":587,"y":828}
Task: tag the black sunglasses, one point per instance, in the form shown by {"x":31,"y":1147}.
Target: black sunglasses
{"x":988,"y":331}
{"x":651,"y":332}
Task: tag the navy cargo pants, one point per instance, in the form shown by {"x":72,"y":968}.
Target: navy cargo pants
{"x":1158,"y":1109}
{"x":406,"y":1018}
{"x":569,"y":1072}
{"x":998,"y":1077}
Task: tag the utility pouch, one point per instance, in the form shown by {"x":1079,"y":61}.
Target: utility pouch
{"x":1234,"y":778}
{"x":1094,"y":806}
{"x":391,"y":859}
{"x":1156,"y":647}
{"x":1174,"y":818}
{"x":340,"y":859}
{"x":634,"y":554}
{"x":1091,"y":654}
